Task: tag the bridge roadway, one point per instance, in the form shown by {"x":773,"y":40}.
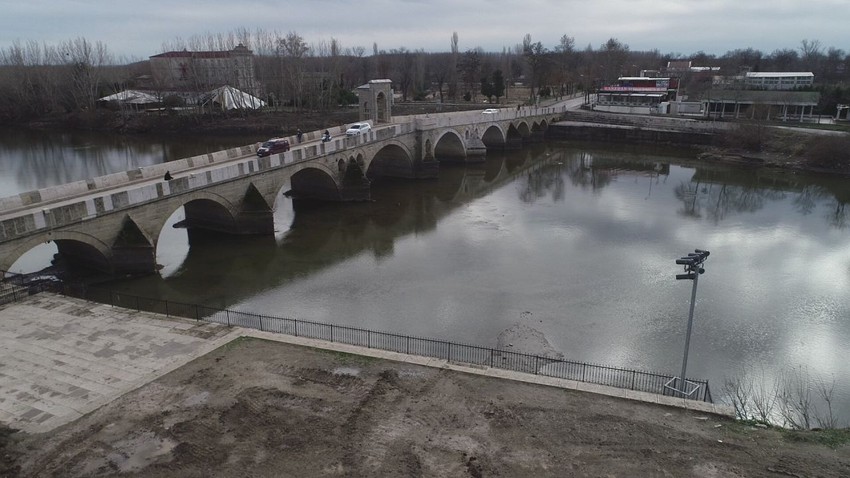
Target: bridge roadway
{"x":113,"y":222}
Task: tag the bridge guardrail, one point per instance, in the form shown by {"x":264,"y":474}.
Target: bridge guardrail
{"x":31,"y":211}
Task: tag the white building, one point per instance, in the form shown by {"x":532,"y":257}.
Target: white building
{"x":779,"y":80}
{"x":638,"y":95}
{"x":203,"y":70}
{"x":767,"y":105}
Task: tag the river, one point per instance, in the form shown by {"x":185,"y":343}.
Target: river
{"x":560,"y":247}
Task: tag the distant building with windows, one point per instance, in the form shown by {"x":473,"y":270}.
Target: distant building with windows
{"x":637,"y":94}
{"x":203,"y":70}
{"x":778,"y":80}
{"x":796,"y":106}
{"x":773,"y":96}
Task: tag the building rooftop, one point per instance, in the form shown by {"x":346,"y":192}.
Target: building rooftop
{"x":778,"y":74}
{"x":759,"y":96}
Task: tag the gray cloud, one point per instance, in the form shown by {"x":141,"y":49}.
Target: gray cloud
{"x":682,"y":26}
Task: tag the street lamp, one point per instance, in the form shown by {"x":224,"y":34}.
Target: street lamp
{"x":693,"y":268}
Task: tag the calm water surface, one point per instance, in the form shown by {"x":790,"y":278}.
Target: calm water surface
{"x":560,"y":247}
{"x":32,"y":160}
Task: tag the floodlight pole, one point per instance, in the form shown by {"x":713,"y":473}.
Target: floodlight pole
{"x":688,"y":335}
{"x":693,"y":268}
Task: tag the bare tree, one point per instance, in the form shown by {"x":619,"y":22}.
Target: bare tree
{"x":825,"y":416}
{"x":291,"y":51}
{"x":795,"y":399}
{"x":811,"y":52}
{"x":85,"y":62}
{"x":536,"y":56}
{"x":404,"y":71}
{"x":566,"y":64}
{"x":613,"y":55}
{"x":796,"y":404}
{"x":784,"y":60}
{"x":440,"y":72}
{"x":453,"y":63}
{"x":833,"y":64}
{"x":470,"y":67}
{"x":749,"y":395}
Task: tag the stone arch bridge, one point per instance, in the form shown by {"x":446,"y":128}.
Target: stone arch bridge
{"x":112,"y":223}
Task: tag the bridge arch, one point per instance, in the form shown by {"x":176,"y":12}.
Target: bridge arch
{"x":493,"y":137}
{"x":523,"y":129}
{"x":204,"y":210}
{"x":449,"y":147}
{"x":514,"y":137}
{"x":392,"y":160}
{"x":316,"y":182}
{"x":76,"y":247}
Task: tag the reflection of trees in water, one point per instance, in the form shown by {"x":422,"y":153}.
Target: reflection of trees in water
{"x":543,"y":179}
{"x":716,"y":191}
{"x":588,"y":172}
{"x":687,"y":193}
{"x":48,"y":158}
{"x":806,"y":200}
{"x":717,"y":200}
{"x":837,"y":215}
{"x":548,"y":177}
{"x":584,"y":175}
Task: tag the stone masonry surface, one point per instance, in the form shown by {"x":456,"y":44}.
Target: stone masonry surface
{"x":61,"y":358}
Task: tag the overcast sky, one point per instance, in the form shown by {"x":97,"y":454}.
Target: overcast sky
{"x":137,"y":30}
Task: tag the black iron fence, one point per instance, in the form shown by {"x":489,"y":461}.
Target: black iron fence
{"x":440,"y":349}
{"x":14,"y":287}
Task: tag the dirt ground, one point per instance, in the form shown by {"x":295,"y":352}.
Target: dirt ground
{"x":260,"y":408}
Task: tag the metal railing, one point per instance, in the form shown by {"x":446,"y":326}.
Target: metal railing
{"x":452,"y":351}
{"x":15,"y":287}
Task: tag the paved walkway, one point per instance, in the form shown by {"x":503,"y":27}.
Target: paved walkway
{"x":61,"y":358}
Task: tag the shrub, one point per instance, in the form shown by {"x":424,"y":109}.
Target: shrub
{"x":173,"y":101}
{"x":832,"y":152}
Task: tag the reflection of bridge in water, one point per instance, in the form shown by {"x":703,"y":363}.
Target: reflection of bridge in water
{"x":112,"y":223}
{"x":321,"y":237}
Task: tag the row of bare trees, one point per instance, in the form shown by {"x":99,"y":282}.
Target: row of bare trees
{"x":42,"y":79}
{"x":289,"y":71}
{"x":796,"y":398}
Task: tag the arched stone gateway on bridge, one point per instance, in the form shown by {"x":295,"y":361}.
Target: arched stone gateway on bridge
{"x":375,"y":99}
{"x":113,"y":223}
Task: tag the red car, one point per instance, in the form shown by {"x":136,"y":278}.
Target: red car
{"x":273,"y":146}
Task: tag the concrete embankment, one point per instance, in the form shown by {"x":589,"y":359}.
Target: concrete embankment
{"x":66,"y":357}
{"x":593,"y":126}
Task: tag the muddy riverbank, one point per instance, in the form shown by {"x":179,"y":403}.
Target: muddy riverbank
{"x":269,"y":409}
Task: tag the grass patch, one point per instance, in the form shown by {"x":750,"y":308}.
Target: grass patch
{"x":828,"y":127}
{"x":343,"y":358}
{"x":346,"y":358}
{"x":832,"y":437}
{"x":238,"y":341}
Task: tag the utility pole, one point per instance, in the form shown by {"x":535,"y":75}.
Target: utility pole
{"x":693,"y":268}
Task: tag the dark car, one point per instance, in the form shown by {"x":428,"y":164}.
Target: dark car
{"x":273,"y":146}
